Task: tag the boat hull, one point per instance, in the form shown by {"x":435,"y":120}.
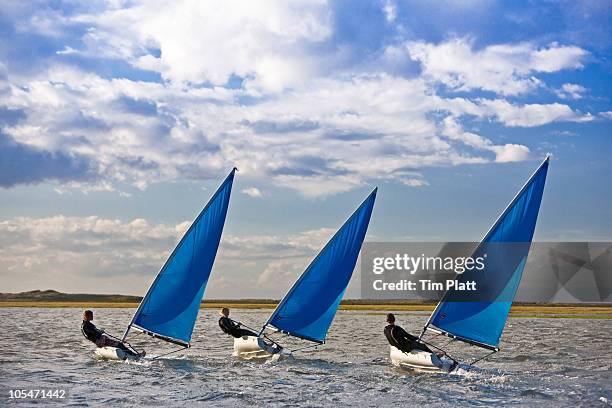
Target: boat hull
{"x":113,"y":353}
{"x":255,"y":348}
{"x":420,"y":360}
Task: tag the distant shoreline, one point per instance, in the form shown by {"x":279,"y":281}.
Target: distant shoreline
{"x":589,"y":311}
{"x":54,"y":299}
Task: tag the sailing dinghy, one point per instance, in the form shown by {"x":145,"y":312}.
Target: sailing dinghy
{"x":169,"y":310}
{"x":308,"y":309}
{"x":481,"y":322}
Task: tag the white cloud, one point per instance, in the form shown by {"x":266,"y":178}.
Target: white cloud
{"x":514,"y":115}
{"x":299,"y":119}
{"x":505,"y":69}
{"x":503,"y":153}
{"x":606,"y":114}
{"x":570,"y":91}
{"x":253,"y":192}
{"x":81,"y":252}
{"x":530,"y":115}
{"x":201,"y":42}
{"x":510,"y":153}
{"x":279,"y":274}
{"x":415,"y":182}
{"x":390,"y":10}
{"x":331,"y":136}
{"x":67,"y":51}
{"x":95,"y":254}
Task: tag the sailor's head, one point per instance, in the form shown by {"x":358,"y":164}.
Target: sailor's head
{"x":88,"y":315}
{"x":390,"y":318}
{"x":225,"y":312}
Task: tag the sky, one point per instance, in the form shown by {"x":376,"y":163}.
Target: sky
{"x":118,"y":120}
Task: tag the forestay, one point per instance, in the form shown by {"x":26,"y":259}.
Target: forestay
{"x":170,"y":308}
{"x":482,"y":322}
{"x":309,"y":307}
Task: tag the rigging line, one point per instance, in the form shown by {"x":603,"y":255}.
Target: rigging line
{"x":244,"y":325}
{"x":305,"y":347}
{"x":273,"y":341}
{"x":133,"y":337}
{"x":451,"y":340}
{"x":281,"y":337}
{"x":117,"y":338}
{"x":123,"y":342}
{"x":172,"y":352}
{"x":442,"y":350}
{"x":128,"y":343}
{"x":110,"y":335}
{"x":482,"y":358}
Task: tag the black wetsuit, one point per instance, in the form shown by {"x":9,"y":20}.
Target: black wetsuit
{"x":90,"y":331}
{"x":233,"y":329}
{"x":404,"y":341}
{"x":93,"y":334}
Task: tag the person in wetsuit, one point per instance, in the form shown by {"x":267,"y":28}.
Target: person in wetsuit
{"x":231,"y":327}
{"x":97,"y":336}
{"x":399,"y":338}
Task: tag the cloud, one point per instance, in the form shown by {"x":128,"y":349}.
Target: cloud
{"x":390,"y":10}
{"x":415,"y":182}
{"x":23,"y":164}
{"x":510,"y":153}
{"x":514,"y":115}
{"x":530,"y":115}
{"x":98,"y":254}
{"x":253,"y":192}
{"x":281,"y":273}
{"x":268,"y":87}
{"x":331,"y":136}
{"x":570,"y":91}
{"x":265,"y":126}
{"x":11,"y":117}
{"x":503,"y":153}
{"x":260,"y":42}
{"x":505,"y":69}
{"x":137,"y":106}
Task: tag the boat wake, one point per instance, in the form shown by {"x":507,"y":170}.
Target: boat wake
{"x":479,"y":374}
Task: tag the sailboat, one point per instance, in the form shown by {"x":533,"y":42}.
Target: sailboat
{"x":480,"y":320}
{"x":308,"y":309}
{"x":169,"y":310}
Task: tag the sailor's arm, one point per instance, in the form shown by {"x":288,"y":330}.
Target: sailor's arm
{"x":399,"y":332}
{"x":228,"y":323}
{"x":234,"y":324}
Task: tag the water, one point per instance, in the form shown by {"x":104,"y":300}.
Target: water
{"x":543,"y":362}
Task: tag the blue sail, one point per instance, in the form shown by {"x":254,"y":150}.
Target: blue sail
{"x":481,"y":322}
{"x":170,"y":308}
{"x":310,"y":305}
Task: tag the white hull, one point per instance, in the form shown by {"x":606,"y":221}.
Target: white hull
{"x":420,"y":360}
{"x":251,"y":347}
{"x":113,"y":353}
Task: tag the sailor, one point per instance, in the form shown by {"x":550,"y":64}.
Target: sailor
{"x":232,"y":327}
{"x":400,"y":339}
{"x":97,"y":336}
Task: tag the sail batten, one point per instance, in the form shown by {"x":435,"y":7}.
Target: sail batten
{"x":170,"y":307}
{"x":481,"y":322}
{"x":308,"y":308}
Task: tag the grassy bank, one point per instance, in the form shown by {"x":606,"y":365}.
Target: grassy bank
{"x":561,"y":311}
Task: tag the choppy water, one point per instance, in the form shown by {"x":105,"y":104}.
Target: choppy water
{"x":543,"y":362}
